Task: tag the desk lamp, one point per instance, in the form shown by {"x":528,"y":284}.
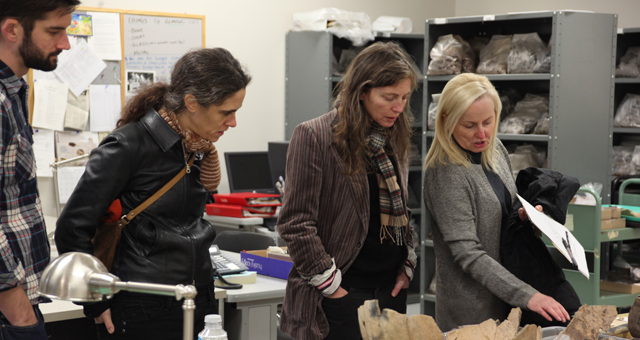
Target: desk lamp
{"x":81,"y":277}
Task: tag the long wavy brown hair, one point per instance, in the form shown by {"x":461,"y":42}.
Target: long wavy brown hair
{"x":379,"y":65}
{"x":211,"y":75}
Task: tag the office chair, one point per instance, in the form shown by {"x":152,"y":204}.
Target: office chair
{"x":237,"y":241}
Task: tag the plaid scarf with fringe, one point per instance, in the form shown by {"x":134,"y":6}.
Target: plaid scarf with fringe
{"x":393,"y":216}
{"x":210,"y":168}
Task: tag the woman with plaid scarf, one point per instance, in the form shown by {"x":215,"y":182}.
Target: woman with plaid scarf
{"x":344,"y":216}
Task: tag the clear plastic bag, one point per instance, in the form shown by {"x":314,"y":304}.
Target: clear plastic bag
{"x":628,"y":113}
{"x":493,"y":57}
{"x":621,"y":160}
{"x":525,"y":50}
{"x":543,"y":60}
{"x":446,"y":56}
{"x":542,"y":127}
{"x":525,"y":116}
{"x":355,"y":26}
{"x":433,"y":110}
{"x":468,"y":56}
{"x":477,"y":44}
{"x":509,"y":97}
{"x":629,"y":66}
{"x":588,"y":199}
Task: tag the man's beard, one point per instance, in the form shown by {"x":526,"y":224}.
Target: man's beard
{"x":33,"y":56}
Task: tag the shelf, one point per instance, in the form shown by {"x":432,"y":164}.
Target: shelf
{"x":616,"y":299}
{"x":627,"y":130}
{"x":627,"y":80}
{"x":514,"y":137}
{"x":428,"y":243}
{"x":415,"y":168}
{"x":429,"y":297}
{"x":500,"y":77}
{"x":416,"y":124}
{"x":336,"y":79}
{"x":619,"y":234}
{"x":413,"y":298}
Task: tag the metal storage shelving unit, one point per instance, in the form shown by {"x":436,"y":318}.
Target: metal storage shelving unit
{"x":626,"y":37}
{"x":309,"y":94}
{"x":580,"y":87}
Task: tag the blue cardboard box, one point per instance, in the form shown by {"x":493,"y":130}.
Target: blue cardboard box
{"x":258,"y":261}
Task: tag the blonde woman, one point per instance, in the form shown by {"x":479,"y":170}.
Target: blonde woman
{"x":469,"y":190}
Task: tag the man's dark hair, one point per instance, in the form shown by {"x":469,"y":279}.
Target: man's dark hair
{"x":28,"y":11}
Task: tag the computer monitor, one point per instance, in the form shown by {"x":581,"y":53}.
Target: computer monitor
{"x":278,"y":159}
{"x":249,"y":172}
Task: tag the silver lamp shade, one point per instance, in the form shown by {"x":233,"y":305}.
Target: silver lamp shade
{"x":77,"y":277}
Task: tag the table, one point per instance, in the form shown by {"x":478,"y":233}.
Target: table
{"x":254,"y":316}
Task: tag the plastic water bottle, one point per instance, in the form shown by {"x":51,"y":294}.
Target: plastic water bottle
{"x":212,"y":328}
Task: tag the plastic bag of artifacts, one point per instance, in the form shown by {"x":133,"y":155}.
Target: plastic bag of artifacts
{"x":525,"y":116}
{"x":493,"y":57}
{"x":628,"y":113}
{"x":433,"y":111}
{"x":527,"y":52}
{"x":451,"y":55}
{"x":524,"y":156}
{"x":509,"y":98}
{"x":629,"y":66}
{"x":355,"y":26}
{"x":621,"y":158}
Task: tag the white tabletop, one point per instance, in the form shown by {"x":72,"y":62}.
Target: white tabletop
{"x":265,"y":287}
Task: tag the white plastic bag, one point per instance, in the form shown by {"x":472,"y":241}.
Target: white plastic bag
{"x":525,"y":50}
{"x":526,"y":114}
{"x":355,"y":26}
{"x":433,"y":110}
{"x":628,"y":113}
{"x":629,"y":66}
{"x":493,"y":57}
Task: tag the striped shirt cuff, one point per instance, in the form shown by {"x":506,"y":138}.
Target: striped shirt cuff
{"x":328,"y":281}
{"x":408,"y":269}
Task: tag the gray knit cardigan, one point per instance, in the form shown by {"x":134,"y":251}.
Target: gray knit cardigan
{"x":472,"y":285}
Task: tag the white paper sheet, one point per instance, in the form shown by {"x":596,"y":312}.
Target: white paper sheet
{"x":44,"y":150}
{"x":75,"y":118}
{"x":50,"y":104}
{"x":561,"y":237}
{"x":106,"y":35}
{"x":79,"y":67}
{"x":105,"y":105}
{"x":68,"y":177}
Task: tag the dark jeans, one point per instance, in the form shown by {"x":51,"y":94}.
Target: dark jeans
{"x":143,"y":316}
{"x":342,"y":313}
{"x":33,"y":332}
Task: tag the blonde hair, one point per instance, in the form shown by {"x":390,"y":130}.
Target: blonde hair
{"x":459,"y":93}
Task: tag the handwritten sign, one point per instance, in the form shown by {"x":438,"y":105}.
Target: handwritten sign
{"x":155,"y":43}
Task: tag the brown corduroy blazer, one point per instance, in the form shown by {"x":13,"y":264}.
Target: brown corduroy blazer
{"x":325,"y":214}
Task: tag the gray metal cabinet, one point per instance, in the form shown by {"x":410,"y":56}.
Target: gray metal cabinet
{"x":309,"y":86}
{"x":580,"y":87}
{"x":627,"y":37}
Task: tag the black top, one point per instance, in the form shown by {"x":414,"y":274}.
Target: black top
{"x":497,"y":185}
{"x":377,"y":263}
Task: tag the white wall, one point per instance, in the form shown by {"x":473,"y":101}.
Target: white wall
{"x":254,"y":31}
{"x":628,"y":10}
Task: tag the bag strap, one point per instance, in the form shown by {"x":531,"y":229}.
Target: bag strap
{"x":133,"y":213}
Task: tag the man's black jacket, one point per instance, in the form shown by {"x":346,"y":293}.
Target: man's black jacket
{"x":524,"y":254}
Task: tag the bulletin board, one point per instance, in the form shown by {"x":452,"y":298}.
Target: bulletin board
{"x":151,"y":42}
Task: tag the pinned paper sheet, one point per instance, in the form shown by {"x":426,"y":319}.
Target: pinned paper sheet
{"x":561,"y":237}
{"x":68,"y":178}
{"x":79,"y":67}
{"x":77,"y":114}
{"x":71,"y":144}
{"x":105,"y":107}
{"x":106,"y":35}
{"x":44,"y":151}
{"x":50,"y":104}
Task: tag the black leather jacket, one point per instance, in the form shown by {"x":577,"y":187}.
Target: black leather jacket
{"x":168,"y":242}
